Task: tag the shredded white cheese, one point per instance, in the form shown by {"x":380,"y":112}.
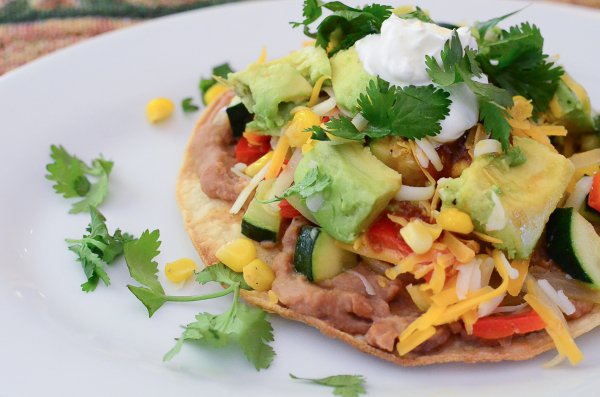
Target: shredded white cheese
{"x":429,"y":150}
{"x":513,"y":273}
{"x":321,"y":109}
{"x":360,"y":122}
{"x":558,"y":297}
{"x":486,"y":146}
{"x":415,"y":193}
{"x":488,"y":307}
{"x":247,"y":191}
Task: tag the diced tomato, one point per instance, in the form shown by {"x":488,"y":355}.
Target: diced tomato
{"x":594,"y":197}
{"x":287,"y":211}
{"x":496,"y":327}
{"x":247,"y":153}
{"x":386,"y":234}
{"x":325,"y":119}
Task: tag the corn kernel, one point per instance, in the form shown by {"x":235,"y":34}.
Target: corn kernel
{"x":180,"y":270}
{"x":454,"y":220}
{"x":273,"y":297}
{"x":237,"y":254}
{"x":159,"y":109}
{"x":258,"y":275}
{"x":417,"y":236}
{"x":258,"y":165}
{"x":296,"y":130}
{"x":214,"y":92}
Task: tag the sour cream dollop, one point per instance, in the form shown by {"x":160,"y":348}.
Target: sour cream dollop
{"x":397,"y":55}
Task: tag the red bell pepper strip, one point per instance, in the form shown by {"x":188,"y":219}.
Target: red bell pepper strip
{"x":287,"y":211}
{"x":386,"y":234}
{"x":594,"y":197}
{"x":247,"y":153}
{"x":496,"y":327}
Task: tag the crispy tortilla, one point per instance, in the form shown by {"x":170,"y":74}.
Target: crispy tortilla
{"x":210,"y":225}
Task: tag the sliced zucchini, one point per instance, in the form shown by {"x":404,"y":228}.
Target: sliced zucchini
{"x":261,"y":222}
{"x":239,"y":116}
{"x":572,"y":242}
{"x":579,"y":200}
{"x":318,"y":257}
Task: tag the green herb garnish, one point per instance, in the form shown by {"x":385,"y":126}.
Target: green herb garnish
{"x":343,"y":385}
{"x":345,"y":26}
{"x":97,"y":249}
{"x":461,"y":66}
{"x":516,"y":62}
{"x":410,"y":112}
{"x":72,"y":178}
{"x":188,"y":105}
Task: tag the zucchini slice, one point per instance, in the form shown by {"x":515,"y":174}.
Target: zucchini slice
{"x":261,"y":222}
{"x":572,"y":242}
{"x":318,"y":257}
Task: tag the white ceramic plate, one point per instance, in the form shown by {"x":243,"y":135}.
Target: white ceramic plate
{"x":57,"y":340}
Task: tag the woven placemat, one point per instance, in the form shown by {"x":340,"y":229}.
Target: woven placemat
{"x":32,"y":28}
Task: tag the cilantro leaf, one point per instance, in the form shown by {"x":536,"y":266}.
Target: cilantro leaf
{"x":312,"y":183}
{"x":221,"y":274}
{"x":139,"y":255}
{"x":242,"y":325}
{"x":515,"y":157}
{"x":494,"y":121}
{"x":516,"y":62}
{"x":461,"y":66}
{"x":220,"y":71}
{"x":482,"y":27}
{"x":71,"y":177}
{"x":345,"y":26}
{"x":149,"y":298}
{"x":418,"y":13}
{"x":188,"y":106}
{"x":97,"y":249}
{"x":411,"y":112}
{"x":343,"y":385}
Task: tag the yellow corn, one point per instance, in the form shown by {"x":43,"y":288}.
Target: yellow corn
{"x":296,"y":130}
{"x":417,"y":236}
{"x":258,"y":275}
{"x":214,"y":92}
{"x":159,"y":109}
{"x":454,"y":220}
{"x":180,"y":270}
{"x":258,"y":165}
{"x":237,"y":254}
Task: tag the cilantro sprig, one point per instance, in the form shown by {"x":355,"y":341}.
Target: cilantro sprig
{"x":461,"y":66}
{"x":72,"y":178}
{"x":312,"y":183}
{"x":188,"y":105}
{"x":345,"y":26}
{"x":412,"y":112}
{"x":343,"y":385}
{"x":242,"y":325}
{"x":97,"y":249}
{"x":515,"y":61}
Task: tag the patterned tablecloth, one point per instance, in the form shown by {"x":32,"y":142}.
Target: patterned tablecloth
{"x":32,"y":28}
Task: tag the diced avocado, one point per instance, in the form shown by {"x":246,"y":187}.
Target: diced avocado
{"x":312,"y":63}
{"x":271,"y":89}
{"x":349,"y":79}
{"x":528,"y":193}
{"x":571,"y":107}
{"x":361,"y":187}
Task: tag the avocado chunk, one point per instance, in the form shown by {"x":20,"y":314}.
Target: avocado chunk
{"x":349,"y":79}
{"x":360,"y":187}
{"x":571,"y":107}
{"x":270,"y":90}
{"x":528,"y":192}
